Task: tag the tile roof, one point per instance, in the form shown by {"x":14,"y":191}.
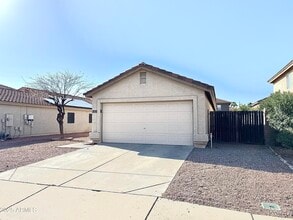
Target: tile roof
{"x":207,"y":88}
{"x":5,"y":87}
{"x":15,"y":96}
{"x":31,"y":96}
{"x":150,"y":67}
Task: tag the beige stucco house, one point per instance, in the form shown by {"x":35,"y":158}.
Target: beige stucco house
{"x":149,"y":105}
{"x":283,"y":80}
{"x":25,"y":112}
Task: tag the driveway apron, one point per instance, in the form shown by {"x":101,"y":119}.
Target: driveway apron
{"x":109,"y":181}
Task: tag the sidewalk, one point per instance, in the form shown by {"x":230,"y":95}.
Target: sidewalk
{"x":168,"y":209}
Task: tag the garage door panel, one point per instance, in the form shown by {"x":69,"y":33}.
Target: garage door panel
{"x":123,"y":127}
{"x":179,"y":128}
{"x":156,"y":128}
{"x":123,"y":137}
{"x":152,"y":122}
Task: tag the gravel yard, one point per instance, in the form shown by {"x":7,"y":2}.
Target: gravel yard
{"x":22,"y":151}
{"x":237,"y":177}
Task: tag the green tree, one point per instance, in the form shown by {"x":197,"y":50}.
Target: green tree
{"x":279,"y":112}
{"x":240,"y":107}
{"x":61,"y":87}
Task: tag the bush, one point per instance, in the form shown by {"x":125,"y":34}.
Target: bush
{"x":285,"y":138}
{"x":279,"y":112}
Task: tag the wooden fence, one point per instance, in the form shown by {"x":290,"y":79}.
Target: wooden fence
{"x":237,"y":126}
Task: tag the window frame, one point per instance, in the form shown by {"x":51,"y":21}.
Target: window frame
{"x":70,"y":117}
{"x":142,"y":78}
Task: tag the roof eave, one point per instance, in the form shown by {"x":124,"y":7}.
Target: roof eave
{"x":281,"y":72}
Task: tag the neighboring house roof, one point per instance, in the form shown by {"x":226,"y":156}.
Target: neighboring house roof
{"x":5,"y":87}
{"x":37,"y":97}
{"x":210,"y":92}
{"x":222,"y":101}
{"x":281,"y":72}
{"x":15,"y":96}
{"x":255,"y":104}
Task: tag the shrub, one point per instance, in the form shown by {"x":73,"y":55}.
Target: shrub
{"x":279,"y":112}
{"x":285,"y":138}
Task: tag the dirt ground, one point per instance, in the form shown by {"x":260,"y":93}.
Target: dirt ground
{"x":237,"y":177}
{"x":23,"y":151}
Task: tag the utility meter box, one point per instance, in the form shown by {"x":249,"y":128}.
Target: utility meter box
{"x":8,"y":120}
{"x":30,"y":117}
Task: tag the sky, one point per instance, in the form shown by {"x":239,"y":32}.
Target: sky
{"x":234,"y":45}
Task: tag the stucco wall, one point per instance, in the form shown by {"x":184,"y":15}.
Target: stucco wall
{"x":44,"y":120}
{"x":281,"y":84}
{"x":157,"y":88}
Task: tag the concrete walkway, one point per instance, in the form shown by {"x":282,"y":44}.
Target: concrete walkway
{"x":116,"y":181}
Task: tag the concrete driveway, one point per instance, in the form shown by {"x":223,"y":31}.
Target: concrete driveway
{"x":113,"y":181}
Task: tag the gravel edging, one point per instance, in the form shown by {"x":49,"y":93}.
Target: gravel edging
{"x":237,"y":177}
{"x":281,"y":158}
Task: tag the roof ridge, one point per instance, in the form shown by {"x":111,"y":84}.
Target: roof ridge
{"x":143,"y":64}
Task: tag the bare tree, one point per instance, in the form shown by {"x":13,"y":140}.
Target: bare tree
{"x":61,"y":88}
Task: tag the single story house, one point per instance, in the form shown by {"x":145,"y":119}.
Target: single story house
{"x":223,"y":105}
{"x":283,"y":79}
{"x":149,"y":105}
{"x":25,"y":112}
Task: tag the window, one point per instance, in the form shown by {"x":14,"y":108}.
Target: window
{"x":143,"y":78}
{"x":289,"y":80}
{"x":219,"y":107}
{"x":70,"y":117}
{"x":90,"y":118}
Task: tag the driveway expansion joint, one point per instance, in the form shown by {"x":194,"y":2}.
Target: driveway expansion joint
{"x":158,"y":184}
{"x":88,"y":171}
{"x":55,"y":168}
{"x":12,"y":174}
{"x":137,"y":174}
{"x":2,"y":210}
{"x":151,"y":208}
{"x":18,"y":181}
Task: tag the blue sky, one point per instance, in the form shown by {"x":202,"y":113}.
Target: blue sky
{"x":233,"y":45}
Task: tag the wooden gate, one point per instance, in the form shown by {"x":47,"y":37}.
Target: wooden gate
{"x":237,"y":126}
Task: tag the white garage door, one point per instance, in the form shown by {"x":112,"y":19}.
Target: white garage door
{"x":148,"y":123}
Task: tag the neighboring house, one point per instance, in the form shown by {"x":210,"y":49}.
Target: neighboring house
{"x":149,"y":105}
{"x":256,"y":105}
{"x":223,"y":105}
{"x":5,"y":87}
{"x":25,"y":112}
{"x":283,"y":80}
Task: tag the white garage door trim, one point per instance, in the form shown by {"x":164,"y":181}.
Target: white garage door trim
{"x":148,"y":122}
